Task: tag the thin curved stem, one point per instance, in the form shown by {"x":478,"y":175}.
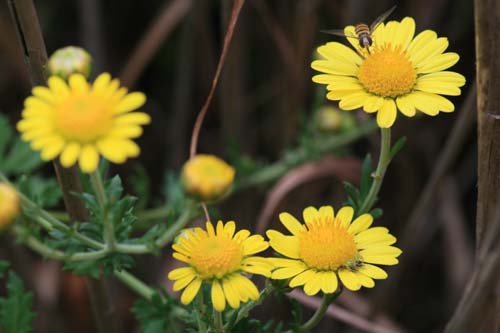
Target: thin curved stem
{"x":135,"y":284}
{"x":378,"y":176}
{"x":218,"y":325}
{"x":200,"y":312}
{"x":318,"y":315}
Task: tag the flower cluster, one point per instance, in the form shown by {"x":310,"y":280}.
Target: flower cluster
{"x":316,"y":255}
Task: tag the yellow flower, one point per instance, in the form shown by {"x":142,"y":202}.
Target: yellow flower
{"x":219,"y":257}
{"x":399,"y":72}
{"x":80,"y":121}
{"x":330,"y":246}
{"x":207,"y":176}
{"x":9,"y":205}
{"x":69,"y":60}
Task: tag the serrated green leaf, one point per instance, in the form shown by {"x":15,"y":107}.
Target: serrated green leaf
{"x":15,"y":308}
{"x":21,"y":159}
{"x":396,"y":148}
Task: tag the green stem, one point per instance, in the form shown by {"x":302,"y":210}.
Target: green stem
{"x":318,"y":315}
{"x":218,"y":326}
{"x":51,"y":253}
{"x":135,"y":284}
{"x":102,"y":199}
{"x":200,"y":312}
{"x":378,"y":176}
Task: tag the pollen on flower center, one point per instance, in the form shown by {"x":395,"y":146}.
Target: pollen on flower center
{"x":387,"y":72}
{"x":83,"y":118}
{"x":216,"y":256}
{"x":326,"y":246}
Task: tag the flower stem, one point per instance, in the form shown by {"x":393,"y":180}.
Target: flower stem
{"x":218,"y":326}
{"x":319,"y":314}
{"x":135,"y":284}
{"x":200,"y":312}
{"x":102,"y":199}
{"x":378,"y":176}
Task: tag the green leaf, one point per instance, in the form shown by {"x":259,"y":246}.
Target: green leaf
{"x":16,"y":315}
{"x":44,"y":192}
{"x":157,"y":316}
{"x":396,"y":148}
{"x":352,"y":194}
{"x":366,"y":177}
{"x":377,"y":213}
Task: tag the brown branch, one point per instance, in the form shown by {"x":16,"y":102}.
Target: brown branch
{"x":479,"y":308}
{"x":238,"y":4}
{"x":170,"y":16}
{"x":28,"y":30}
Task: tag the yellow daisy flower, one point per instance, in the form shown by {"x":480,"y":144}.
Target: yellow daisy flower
{"x":330,"y":246}
{"x":78,"y":121}
{"x":9,"y":205}
{"x":400,"y":72}
{"x":219,"y":257}
{"x":207,"y":176}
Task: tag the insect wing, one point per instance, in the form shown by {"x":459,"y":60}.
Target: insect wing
{"x":381,"y":19}
{"x":338,"y":32}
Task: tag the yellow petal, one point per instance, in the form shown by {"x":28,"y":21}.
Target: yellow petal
{"x":420,"y":57}
{"x":329,"y":282}
{"x":232,"y":295}
{"x":133,"y":118}
{"x":301,"y":278}
{"x":310,"y":214}
{"x":387,"y":114}
{"x":438,"y":63}
{"x":361,"y":223}
{"x":50,"y":151}
{"x":313,"y":285}
{"x":349,"y":279}
{"x":380,"y":260}
{"x":405,"y":32}
{"x":337,"y":51}
{"x":241,"y":235}
{"x":381,"y":251}
{"x":291,"y":223}
{"x":131,"y":102}
{"x":381,"y":240}
{"x":335,"y":67}
{"x":354,"y":101}
{"x":287,"y":272}
{"x":58,"y":87}
{"x":373,"y":103}
{"x":326,"y":213}
{"x":70,"y":154}
{"x":78,"y":84}
{"x":373,"y":271}
{"x":218,"y":299}
{"x":229,"y":229}
{"x":180,"y":273}
{"x":364,"y":280}
{"x":44,"y":94}
{"x":89,"y":159}
{"x":285,"y":245}
{"x":421,"y":40}
{"x":371,"y":234}
{"x":190,"y":292}
{"x":101,"y":83}
{"x":344,"y":216}
{"x":254,"y":244}
{"x":182,"y":282}
{"x":406,"y":106}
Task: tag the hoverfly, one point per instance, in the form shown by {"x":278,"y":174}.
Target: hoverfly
{"x":363,"y":32}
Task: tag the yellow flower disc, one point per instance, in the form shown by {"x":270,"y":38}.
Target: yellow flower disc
{"x":331,"y":247}
{"x":219,"y":257}
{"x":79,"y":122}
{"x":387,"y":72}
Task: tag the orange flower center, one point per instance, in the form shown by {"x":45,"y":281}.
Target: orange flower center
{"x":326,"y":245}
{"x":387,"y":71}
{"x":216,"y":256}
{"x":83,"y":118}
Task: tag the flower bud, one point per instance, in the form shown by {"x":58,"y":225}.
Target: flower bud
{"x":70,"y":60}
{"x":9,"y":205}
{"x":329,"y":119}
{"x":207,"y":177}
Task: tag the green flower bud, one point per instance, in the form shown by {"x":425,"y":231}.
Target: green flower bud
{"x":70,"y":60}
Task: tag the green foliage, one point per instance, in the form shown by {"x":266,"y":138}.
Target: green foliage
{"x":16,"y":315}
{"x":159,"y":315}
{"x":141,"y":185}
{"x":16,"y":156}
{"x":44,"y":192}
{"x":257,"y":326}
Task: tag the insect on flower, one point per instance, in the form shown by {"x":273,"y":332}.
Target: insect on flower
{"x":363,"y":32}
